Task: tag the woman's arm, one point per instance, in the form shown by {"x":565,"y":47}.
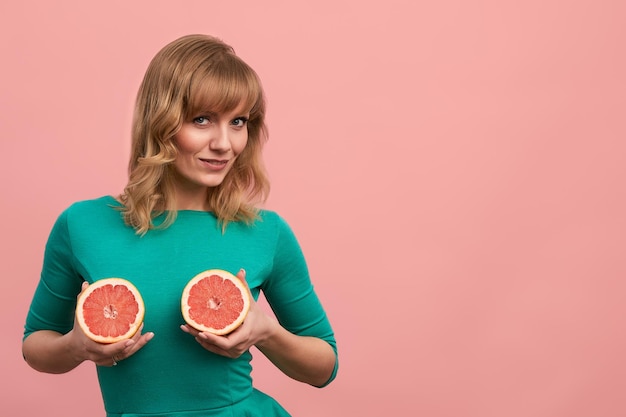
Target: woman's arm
{"x":300,"y":340}
{"x":49,"y":351}
{"x":52,"y":352}
{"x":304,"y":358}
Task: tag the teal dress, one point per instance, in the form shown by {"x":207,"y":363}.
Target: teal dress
{"x":173,"y":375}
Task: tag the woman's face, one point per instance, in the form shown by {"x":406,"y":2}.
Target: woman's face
{"x":208,"y":145}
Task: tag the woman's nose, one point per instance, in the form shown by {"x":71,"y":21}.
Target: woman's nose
{"x":220,"y":140}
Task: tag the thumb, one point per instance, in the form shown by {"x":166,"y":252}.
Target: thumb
{"x":242,"y":275}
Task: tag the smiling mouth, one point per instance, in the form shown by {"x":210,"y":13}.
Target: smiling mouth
{"x":214,"y":161}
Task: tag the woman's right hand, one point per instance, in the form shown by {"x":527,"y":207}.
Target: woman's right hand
{"x":52,"y":352}
{"x":104,"y":354}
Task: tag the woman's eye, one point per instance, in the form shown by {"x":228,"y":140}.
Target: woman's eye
{"x":240,"y":122}
{"x":202,"y":120}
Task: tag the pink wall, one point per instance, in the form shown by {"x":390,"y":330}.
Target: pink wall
{"x":454,"y":170}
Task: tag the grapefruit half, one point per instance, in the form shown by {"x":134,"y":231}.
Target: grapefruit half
{"x":215,"y":301}
{"x":110,"y":310}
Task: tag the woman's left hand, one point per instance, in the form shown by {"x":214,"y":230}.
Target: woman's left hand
{"x":256,"y":326}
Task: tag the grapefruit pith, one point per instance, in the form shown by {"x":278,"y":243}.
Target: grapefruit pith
{"x":215,"y":301}
{"x":110,"y":310}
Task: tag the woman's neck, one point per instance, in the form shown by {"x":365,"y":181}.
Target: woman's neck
{"x":192,"y":201}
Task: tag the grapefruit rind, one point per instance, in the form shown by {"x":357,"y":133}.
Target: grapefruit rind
{"x":132,"y":327}
{"x":226,"y":276}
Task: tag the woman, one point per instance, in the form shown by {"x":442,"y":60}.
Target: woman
{"x":195,"y":175}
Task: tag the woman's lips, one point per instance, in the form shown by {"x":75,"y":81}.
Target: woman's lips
{"x":214,"y":164}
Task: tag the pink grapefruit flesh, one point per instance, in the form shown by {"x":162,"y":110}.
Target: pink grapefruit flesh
{"x":110,"y":310}
{"x":215,"y":301}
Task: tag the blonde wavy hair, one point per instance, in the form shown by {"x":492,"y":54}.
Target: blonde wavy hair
{"x":192,"y":74}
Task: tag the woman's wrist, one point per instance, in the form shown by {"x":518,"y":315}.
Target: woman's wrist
{"x":270,"y":333}
{"x":72,"y":348}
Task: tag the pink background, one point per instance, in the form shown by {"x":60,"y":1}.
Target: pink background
{"x":454,"y":171}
